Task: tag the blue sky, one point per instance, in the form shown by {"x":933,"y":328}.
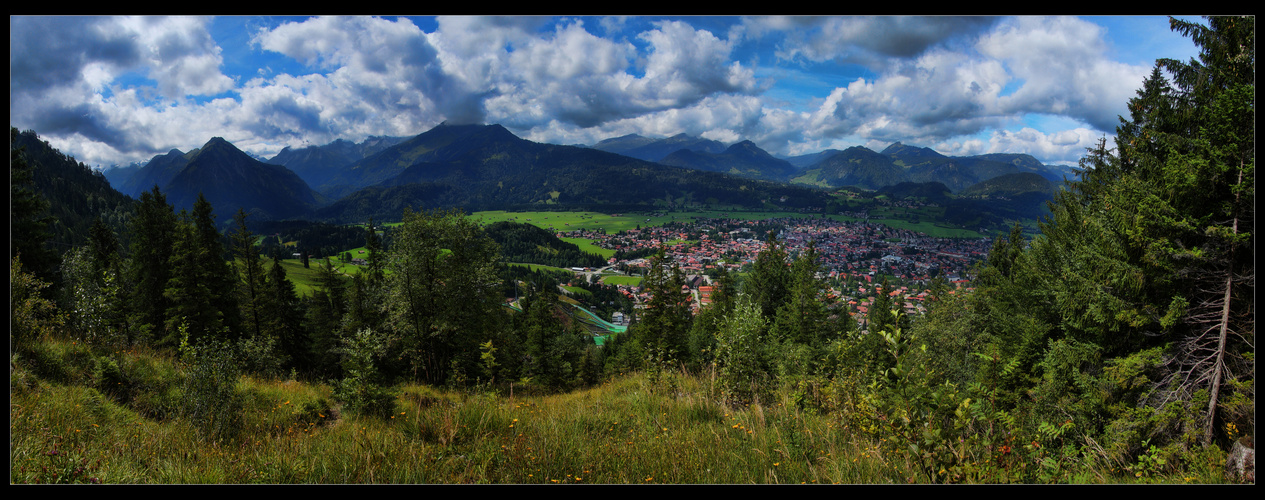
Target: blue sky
{"x":116,"y":90}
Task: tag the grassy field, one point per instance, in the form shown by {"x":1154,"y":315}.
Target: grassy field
{"x":622,"y":280}
{"x":586,"y":245}
{"x":539,"y":267}
{"x":306,"y":279}
{"x":570,"y":221}
{"x":69,"y":423}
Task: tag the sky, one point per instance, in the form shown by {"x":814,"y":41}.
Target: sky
{"x":117,"y":90}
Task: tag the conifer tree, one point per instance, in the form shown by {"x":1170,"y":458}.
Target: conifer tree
{"x":1196,"y":149}
{"x":710,"y":317}
{"x":216,"y":267}
{"x":153,"y":231}
{"x":803,"y":318}
{"x":104,"y":244}
{"x":769,"y":283}
{"x":285,"y":317}
{"x":665,"y":323}
{"x":191,"y":301}
{"x":1142,"y":270}
{"x":29,"y":219}
{"x":252,"y":296}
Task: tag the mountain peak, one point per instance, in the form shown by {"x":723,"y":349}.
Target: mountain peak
{"x":744,"y":145}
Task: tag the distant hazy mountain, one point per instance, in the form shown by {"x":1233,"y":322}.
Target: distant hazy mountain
{"x":231,"y":179}
{"x":317,"y":165}
{"x":803,"y":161}
{"x":645,"y":148}
{"x":392,"y":161}
{"x":743,"y":159}
{"x":119,"y":174}
{"x":483,"y":166}
{"x":858,"y":166}
{"x":486,"y":166}
{"x":861,"y":167}
{"x":911,"y":156}
{"x":157,"y":172}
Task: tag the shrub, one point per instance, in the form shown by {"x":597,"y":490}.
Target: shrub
{"x":359,"y":391}
{"x":211,"y":399}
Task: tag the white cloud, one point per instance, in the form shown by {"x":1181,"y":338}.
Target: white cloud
{"x":128,"y":87}
{"x":1064,"y":68}
{"x":1065,"y":146}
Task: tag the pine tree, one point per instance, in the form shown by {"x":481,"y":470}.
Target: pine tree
{"x":153,"y":231}
{"x":1143,"y":269}
{"x":104,"y":244}
{"x":285,"y":317}
{"x":709,"y":319}
{"x":803,"y":318}
{"x":769,"y":283}
{"x":252,"y":296}
{"x":377,"y":256}
{"x":29,"y":220}
{"x":216,"y":268}
{"x":191,"y":302}
{"x":665,"y":323}
{"x":1201,"y":166}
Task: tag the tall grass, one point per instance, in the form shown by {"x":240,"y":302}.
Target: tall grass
{"x":629,"y":430}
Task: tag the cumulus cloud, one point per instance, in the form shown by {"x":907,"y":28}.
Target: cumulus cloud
{"x":1064,"y":68}
{"x":380,"y":73}
{"x":866,"y":39}
{"x":126,"y":88}
{"x":63,"y":71}
{"x":1058,"y":66}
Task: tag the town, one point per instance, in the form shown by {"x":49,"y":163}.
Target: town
{"x":855,"y":257}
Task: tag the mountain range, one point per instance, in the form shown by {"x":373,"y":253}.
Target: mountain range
{"x":486,"y":167}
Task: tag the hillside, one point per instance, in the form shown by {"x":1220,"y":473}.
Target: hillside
{"x":624,"y":431}
{"x":1011,"y":185}
{"x":528,"y":244}
{"x":76,"y":194}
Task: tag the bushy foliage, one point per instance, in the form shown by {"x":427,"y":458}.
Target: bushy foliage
{"x":741,"y":353}
{"x":361,"y":390}
{"x":211,"y":400}
{"x":31,"y":315}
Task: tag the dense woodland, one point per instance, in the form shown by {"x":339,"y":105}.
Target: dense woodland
{"x":1125,"y":329}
